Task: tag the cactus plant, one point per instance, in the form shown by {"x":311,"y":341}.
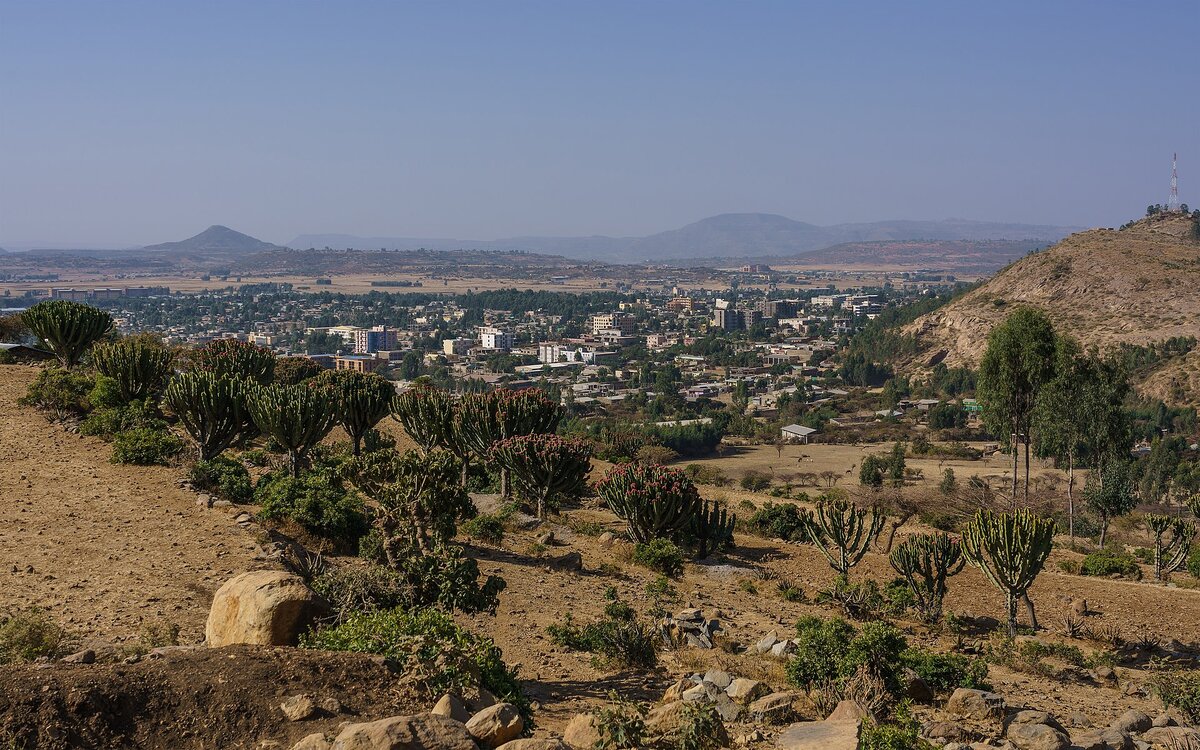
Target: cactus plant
{"x":656,"y":502}
{"x":1010,"y":550}
{"x":427,"y":415}
{"x":843,"y":532}
{"x":484,"y":419}
{"x":239,"y":359}
{"x":363,"y":400}
{"x":139,"y":367}
{"x":544,"y":468}
{"x":296,"y":417}
{"x":1173,"y":554}
{"x":211,"y":408}
{"x":68,"y":328}
{"x":712,"y":526}
{"x":925,"y":561}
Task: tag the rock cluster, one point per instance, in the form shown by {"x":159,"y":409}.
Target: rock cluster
{"x":689,"y":627}
{"x":448,"y":726}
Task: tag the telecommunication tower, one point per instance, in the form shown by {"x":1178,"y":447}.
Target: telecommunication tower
{"x":1173,"y":200}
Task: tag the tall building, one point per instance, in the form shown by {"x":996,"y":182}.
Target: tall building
{"x":373,"y":339}
{"x":495,"y":338}
{"x":620,"y":321}
{"x":728,"y":319}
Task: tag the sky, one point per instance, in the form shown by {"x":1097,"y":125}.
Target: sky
{"x":127,"y":123}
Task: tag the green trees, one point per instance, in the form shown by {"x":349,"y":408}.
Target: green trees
{"x":653,"y":500}
{"x":362,"y":401}
{"x":68,"y":328}
{"x":484,"y":419}
{"x":544,"y":467}
{"x":1017,"y":365}
{"x":1110,"y":493}
{"x":212,"y":409}
{"x":1010,"y":550}
{"x":1171,"y":555}
{"x":427,"y":415}
{"x":238,"y":359}
{"x":420,"y":499}
{"x":296,"y":417}
{"x":925,"y":561}
{"x":139,"y":366}
{"x":843,"y":532}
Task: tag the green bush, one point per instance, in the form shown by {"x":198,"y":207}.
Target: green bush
{"x":781,"y":521}
{"x":107,"y":421}
{"x":353,"y":589}
{"x":224,"y":477}
{"x":661,"y":555}
{"x":433,"y":652}
{"x":146,"y":446}
{"x":318,"y":501}
{"x":901,"y":733}
{"x":1179,"y":689}
{"x":29,"y":635}
{"x":755,"y":481}
{"x":617,"y":639}
{"x":486,"y":527}
{"x":1193,"y":563}
{"x":449,"y":579}
{"x":1109,"y":562}
{"x":60,"y":393}
{"x":946,"y":672}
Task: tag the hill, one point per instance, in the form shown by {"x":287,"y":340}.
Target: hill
{"x":721,"y":236}
{"x":961,"y":256}
{"x":215,"y":239}
{"x":1137,"y":286}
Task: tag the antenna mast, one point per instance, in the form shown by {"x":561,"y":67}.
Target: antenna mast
{"x":1173,"y":200}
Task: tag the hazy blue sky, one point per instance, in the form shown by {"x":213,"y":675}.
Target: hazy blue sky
{"x":136,"y":122}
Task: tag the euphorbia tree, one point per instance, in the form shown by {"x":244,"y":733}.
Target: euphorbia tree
{"x":543,"y":467}
{"x":363,"y":400}
{"x":656,"y":502}
{"x":296,"y":417}
{"x":1172,"y":553}
{"x":68,"y":328}
{"x":427,"y":415}
{"x":212,"y":409}
{"x":1010,"y":550}
{"x":235,"y":358}
{"x":140,"y":367}
{"x":843,"y":532}
{"x":926,"y":561}
{"x":484,"y":419}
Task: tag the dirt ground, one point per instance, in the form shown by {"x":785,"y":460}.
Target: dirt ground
{"x":114,"y":548}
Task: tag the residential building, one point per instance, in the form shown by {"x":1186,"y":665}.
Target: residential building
{"x":797,"y":433}
{"x":495,"y":338}
{"x":621,"y":321}
{"x":371,"y":340}
{"x":358,"y":363}
{"x":457,"y":347}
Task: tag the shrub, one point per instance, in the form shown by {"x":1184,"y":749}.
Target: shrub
{"x":653,"y":500}
{"x":224,"y":477}
{"x":28,"y":635}
{"x":656,"y":454}
{"x":106,"y":421}
{"x":946,"y":672}
{"x":661,"y":555}
{"x":786,"y":521}
{"x":700,"y":728}
{"x":433,"y":652}
{"x":318,"y":501}
{"x":1179,"y":690}
{"x":487,"y":528}
{"x":353,"y":589}
{"x":621,"y":725}
{"x":138,"y":365}
{"x":705,"y":474}
{"x":235,"y":359}
{"x":1108,"y":562}
{"x":68,"y":328}
{"x":61,"y":393}
{"x":145,"y":446}
{"x":902,"y":733}
{"x":617,"y":639}
{"x":443,"y":577}
{"x":755,"y":481}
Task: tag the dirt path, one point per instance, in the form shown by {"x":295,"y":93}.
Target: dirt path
{"x":105,"y":549}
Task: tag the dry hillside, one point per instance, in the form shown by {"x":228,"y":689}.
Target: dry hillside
{"x":1104,"y":287}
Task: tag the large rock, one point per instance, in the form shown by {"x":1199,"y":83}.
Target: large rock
{"x":848,"y":710}
{"x":1103,"y":739}
{"x":776,"y":708}
{"x":1037,"y":737}
{"x":580,"y":732}
{"x":745,"y":691}
{"x":314,"y":741}
{"x":1170,"y":736}
{"x":496,"y":725}
{"x":534,"y":745}
{"x":423,"y":732}
{"x":666,"y":720}
{"x":1133,"y":721}
{"x":975,"y":704}
{"x":452,"y":707}
{"x":820,"y":735}
{"x":264,"y":608}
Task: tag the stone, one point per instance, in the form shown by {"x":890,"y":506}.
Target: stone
{"x":675,"y":692}
{"x":782,"y":649}
{"x":947,"y":731}
{"x":298,"y":707}
{"x":1078,"y":719}
{"x":916,"y":688}
{"x":528,"y":744}
{"x":1037,"y":737}
{"x":976,"y":704}
{"x":1165,"y":720}
{"x":1029,"y":716}
{"x":1079,"y":607}
{"x":775,"y":708}
{"x":314,"y":741}
{"x":745,"y":691}
{"x":496,"y":725}
{"x":1103,"y":739}
{"x":221,"y":504}
{"x":666,"y":719}
{"x":718,"y":677}
{"x":820,"y":735}
{"x":580,"y":732}
{"x":86,"y":656}
{"x":727,"y":708}
{"x":206,"y":501}
{"x":1132,"y":721}
{"x":766,"y":642}
{"x":847,"y":710}
{"x":453,"y":707}
{"x":546,"y":539}
{"x":606,"y":539}
{"x":1171,"y":736}
{"x":1104,"y":675}
{"x":330,"y":705}
{"x":569,"y":561}
{"x":264,"y":608}
{"x":425,"y":732}
{"x":705,"y":692}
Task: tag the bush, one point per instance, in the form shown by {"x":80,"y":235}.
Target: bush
{"x":1193,"y":563}
{"x":487,"y":528}
{"x":318,"y":501}
{"x":902,"y":733}
{"x":434,"y":653}
{"x":946,"y":672}
{"x":781,"y":521}
{"x":1110,"y":562}
{"x":617,"y":639}
{"x":755,"y":481}
{"x":655,"y":454}
{"x":29,"y":635}
{"x":224,"y":477}
{"x":61,"y":393}
{"x":107,"y":421}
{"x":146,"y":446}
{"x":661,"y":555}
{"x":353,"y":589}
{"x":1179,"y":690}
{"x":704,"y":474}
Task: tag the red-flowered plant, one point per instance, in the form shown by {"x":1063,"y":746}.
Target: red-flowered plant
{"x":544,"y":468}
{"x":655,"y":501}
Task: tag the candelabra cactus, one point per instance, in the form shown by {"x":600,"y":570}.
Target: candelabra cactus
{"x":484,"y":419}
{"x":925,"y":561}
{"x":1171,"y":555}
{"x":68,"y":328}
{"x":139,"y":367}
{"x":427,"y":414}
{"x":212,"y":409}
{"x":843,"y":532}
{"x":656,"y":502}
{"x":239,"y":359}
{"x":1010,"y":550}
{"x":713,"y":527}
{"x":295,"y":416}
{"x":363,"y":399}
{"x":544,"y":468}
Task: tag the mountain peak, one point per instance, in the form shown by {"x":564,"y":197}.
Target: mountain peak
{"x":216,"y":238}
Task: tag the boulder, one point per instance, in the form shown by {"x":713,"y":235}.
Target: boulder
{"x":606,"y":539}
{"x":452,"y":707}
{"x":580,"y":732}
{"x":820,"y":735}
{"x":1132,"y":721}
{"x":569,"y":561}
{"x":848,"y":710}
{"x":86,"y":656}
{"x":775,"y":708}
{"x":422,"y":732}
{"x":975,"y":704}
{"x":528,"y":744}
{"x":916,"y":688}
{"x":1171,"y":736}
{"x":496,"y":725}
{"x":1028,"y":716}
{"x":298,"y":707}
{"x":745,"y":691}
{"x":264,"y":608}
{"x":718,"y":677}
{"x":665,"y":721}
{"x":1103,"y":739}
{"x":765,"y":643}
{"x":314,"y":741}
{"x":1037,"y":737}
{"x":947,"y":731}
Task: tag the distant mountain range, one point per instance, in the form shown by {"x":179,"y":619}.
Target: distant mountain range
{"x":722,"y":236}
{"x":215,"y":239}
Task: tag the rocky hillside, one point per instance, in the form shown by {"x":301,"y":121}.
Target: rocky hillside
{"x":1105,"y":287}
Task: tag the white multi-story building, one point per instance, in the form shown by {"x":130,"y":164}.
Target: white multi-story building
{"x":620,"y":321}
{"x":495,"y":338}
